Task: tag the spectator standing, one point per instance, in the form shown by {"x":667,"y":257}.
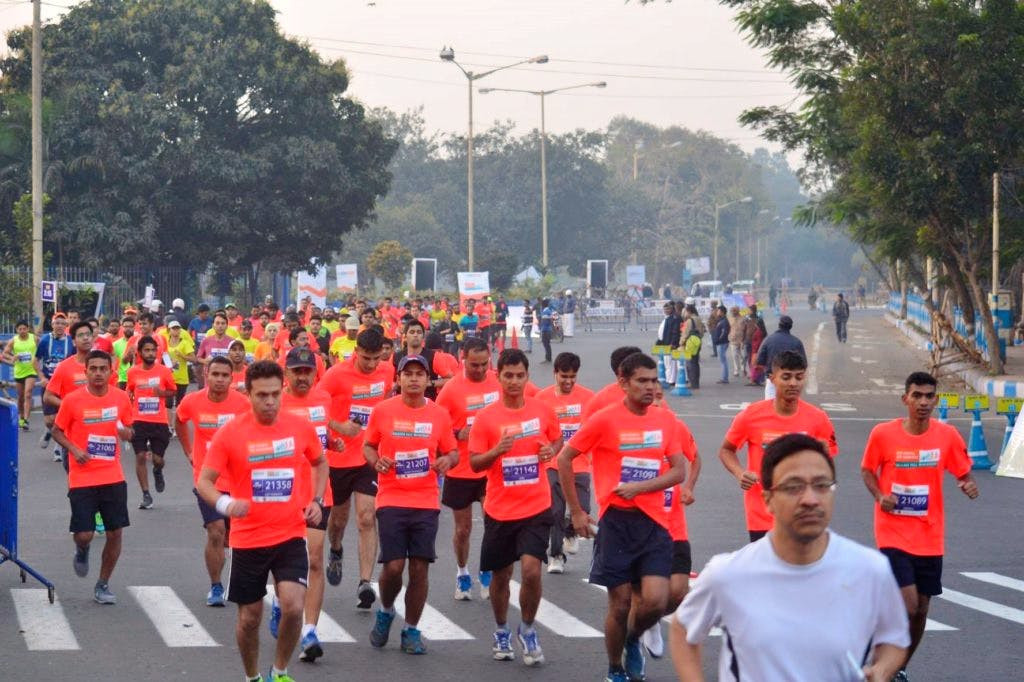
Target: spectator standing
{"x":720,"y":339}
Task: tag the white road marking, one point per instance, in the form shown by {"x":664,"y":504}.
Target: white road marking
{"x":555,"y":618}
{"x":881,"y":383}
{"x":936,"y":626}
{"x":172,"y":619}
{"x":43,"y":624}
{"x":327,"y":629}
{"x":433,"y":624}
{"x":861,"y":361}
{"x":984,"y":605}
{"x":812,"y":373}
{"x":996,"y":579}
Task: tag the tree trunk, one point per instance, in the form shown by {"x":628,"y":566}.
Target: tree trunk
{"x":995,"y":362}
{"x":901,"y":272}
{"x":963,"y":296}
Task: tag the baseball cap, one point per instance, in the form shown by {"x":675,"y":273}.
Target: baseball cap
{"x":230,"y":304}
{"x":173,"y":323}
{"x":203,"y":308}
{"x":237,"y":342}
{"x":422,"y":361}
{"x":178,"y":303}
{"x":300,"y":357}
{"x":351,"y":322}
{"x":59,"y":316}
{"x":155,"y":305}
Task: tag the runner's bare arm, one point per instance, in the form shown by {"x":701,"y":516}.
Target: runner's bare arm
{"x":967,"y":484}
{"x":731,"y":461}
{"x":887,"y":502}
{"x":674,"y":475}
{"x":693,"y":471}
{"x":581,"y":520}
{"x":50,"y":398}
{"x":686,"y":657}
{"x":184,"y":437}
{"x":375,"y":459}
{"x":483,"y":461}
{"x":61,"y":439}
{"x":8,"y":353}
{"x":887,"y":661}
{"x":443,"y":463}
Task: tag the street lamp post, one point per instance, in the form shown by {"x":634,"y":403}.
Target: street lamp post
{"x":448,"y":55}
{"x":718,"y":208}
{"x":543,"y":153}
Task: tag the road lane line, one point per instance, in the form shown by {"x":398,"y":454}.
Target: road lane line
{"x":174,"y":621}
{"x":554,"y":618}
{"x":812,"y":373}
{"x":43,"y":624}
{"x":327,"y":629}
{"x":936,"y":626}
{"x":984,"y":605}
{"x":433,"y":624}
{"x":996,"y":579}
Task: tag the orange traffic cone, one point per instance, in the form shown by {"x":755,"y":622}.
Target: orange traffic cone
{"x":501,"y":343}
{"x":515,"y":339}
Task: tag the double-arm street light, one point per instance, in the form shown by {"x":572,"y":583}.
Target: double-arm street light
{"x":543,"y":152}
{"x":718,"y":208}
{"x":448,"y":55}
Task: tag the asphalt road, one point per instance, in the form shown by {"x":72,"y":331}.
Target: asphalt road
{"x":976,"y":632}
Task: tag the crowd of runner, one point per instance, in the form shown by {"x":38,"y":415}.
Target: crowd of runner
{"x":297,"y":418}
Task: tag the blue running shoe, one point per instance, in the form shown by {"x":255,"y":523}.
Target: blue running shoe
{"x":532,"y":653}
{"x":412,"y":642}
{"x":616,"y":676}
{"x":275,"y":617}
{"x":636,"y":664}
{"x":502,"y":648}
{"x":215,"y":597}
{"x":463,"y":588}
{"x":311,"y":648}
{"x":381,"y":629}
{"x":485,"y":584}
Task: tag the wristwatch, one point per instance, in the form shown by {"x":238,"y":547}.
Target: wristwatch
{"x":319,"y":500}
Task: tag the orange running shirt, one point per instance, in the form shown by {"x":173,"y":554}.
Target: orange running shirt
{"x":609,"y":395}
{"x":628,"y":447}
{"x":314,"y":407}
{"x":207,"y":417}
{"x":353,"y":395}
{"x":412,"y":438}
{"x":757,"y":426}
{"x":911,"y":468}
{"x":90,"y":422}
{"x":569,"y":410}
{"x":142,"y":386}
{"x":675,"y":509}
{"x":463,"y":399}
{"x":516,"y":485}
{"x":265,"y":465}
{"x":69,"y":374}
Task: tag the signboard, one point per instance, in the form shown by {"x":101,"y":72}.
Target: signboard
{"x":636,"y":275}
{"x":975,"y":402}
{"x":949,"y":400}
{"x":314,"y":286}
{"x":148,"y":297}
{"x":1009,"y":405}
{"x":348,"y":277}
{"x":698,"y":266}
{"x":474,"y":284}
{"x":424,"y":274}
{"x":597,"y":274}
{"x":48,"y":292}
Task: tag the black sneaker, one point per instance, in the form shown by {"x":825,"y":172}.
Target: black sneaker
{"x":366,"y":595}
{"x":334,"y":567}
{"x":158,"y":479}
{"x":147,"y":500}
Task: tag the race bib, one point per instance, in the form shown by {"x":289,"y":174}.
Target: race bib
{"x":638,"y":469}
{"x":911,"y":500}
{"x":218,"y":352}
{"x":321,"y":432}
{"x":522,"y":470}
{"x":149,"y":405}
{"x":272,"y":485}
{"x":249,"y":358}
{"x":449,"y":338}
{"x":360,"y":414}
{"x":24,"y":357}
{"x":668,"y":498}
{"x":412,"y":464}
{"x":102,"y":447}
{"x":569,"y":430}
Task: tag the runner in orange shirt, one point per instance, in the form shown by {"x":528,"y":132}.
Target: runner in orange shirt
{"x":409,"y":442}
{"x":511,"y":440}
{"x":90,"y":424}
{"x":264,"y":453}
{"x":569,"y":400}
{"x":149,"y":383}
{"x":355,"y":386}
{"x":903,"y":464}
{"x":612,"y":393}
{"x":208,"y":409}
{"x":236,"y":356}
{"x":146,"y":326}
{"x":764,"y":421}
{"x":463,"y":397}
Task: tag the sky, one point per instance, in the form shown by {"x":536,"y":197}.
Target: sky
{"x":668,"y":63}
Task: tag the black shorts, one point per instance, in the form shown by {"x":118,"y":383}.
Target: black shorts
{"x":629,"y":545}
{"x":150,"y":437}
{"x":324,"y":513}
{"x":22,"y":380}
{"x":348,"y":480}
{"x":407,"y":533}
{"x":110,"y":500}
{"x":924,"y":572}
{"x":49,"y":410}
{"x":173,"y":401}
{"x":247,"y":578}
{"x":459,"y":493}
{"x":209,"y":514}
{"x":505,"y":542}
{"x":682,"y":560}
{"x":756,"y":535}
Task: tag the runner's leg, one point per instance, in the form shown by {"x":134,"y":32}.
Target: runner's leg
{"x":416,"y":592}
{"x":367,"y":521}
{"x":530,"y":592}
{"x":291,"y":596}
{"x":247,"y":634}
{"x":214,"y":552}
{"x":391,"y":583}
{"x":111,"y":553}
{"x":315,"y":590}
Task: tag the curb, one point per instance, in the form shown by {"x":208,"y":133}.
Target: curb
{"x":1002,"y":386}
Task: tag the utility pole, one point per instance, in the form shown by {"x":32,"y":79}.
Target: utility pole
{"x":995,"y":233}
{"x":37,"y":163}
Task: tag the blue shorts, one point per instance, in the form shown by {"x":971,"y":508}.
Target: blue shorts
{"x":629,"y":546}
{"x":208,"y":513}
{"x":923,"y":572}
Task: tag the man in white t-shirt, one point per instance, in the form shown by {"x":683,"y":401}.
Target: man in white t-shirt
{"x":802,"y":603}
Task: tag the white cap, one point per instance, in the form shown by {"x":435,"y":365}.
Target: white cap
{"x":155,"y":305}
{"x":178,"y":303}
{"x":689,"y":300}
{"x":568,"y":292}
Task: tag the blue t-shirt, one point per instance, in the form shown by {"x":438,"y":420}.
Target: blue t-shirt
{"x":469,"y":322}
{"x":198,"y":328}
{"x":545,"y":320}
{"x":51,"y":351}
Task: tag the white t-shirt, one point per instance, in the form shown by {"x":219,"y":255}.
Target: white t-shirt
{"x":788,"y":622}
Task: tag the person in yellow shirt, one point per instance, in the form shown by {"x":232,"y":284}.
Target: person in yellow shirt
{"x":331,"y":322}
{"x":343,"y":346}
{"x":182,"y":350}
{"x":248,"y":341}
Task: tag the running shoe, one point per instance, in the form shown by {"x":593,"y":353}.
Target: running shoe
{"x":271,"y":677}
{"x":528,"y":639}
{"x":502,"y":648}
{"x":158,"y":479}
{"x":44,"y":439}
{"x":147,"y":501}
{"x":556,"y":565}
{"x":381,"y":629}
{"x":311,"y":648}
{"x":81,"y":562}
{"x":571,"y":545}
{"x":275,"y":617}
{"x":58,"y":456}
{"x":23,"y":423}
{"x":365,"y":594}
{"x":901,"y":676}
{"x":636,"y":664}
{"x":616,"y":676}
{"x":103,"y":595}
{"x":653,"y":641}
{"x":485,"y":584}
{"x":412,"y":642}
{"x":215,"y":597}
{"x":334,"y":567}
{"x":464,"y":587}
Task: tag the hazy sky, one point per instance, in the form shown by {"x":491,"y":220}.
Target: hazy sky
{"x":667,"y":63}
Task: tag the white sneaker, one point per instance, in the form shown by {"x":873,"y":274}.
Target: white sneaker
{"x":653,"y":641}
{"x":571,"y":545}
{"x":556,"y":565}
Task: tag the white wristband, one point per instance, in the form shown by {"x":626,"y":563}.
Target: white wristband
{"x":223,"y":502}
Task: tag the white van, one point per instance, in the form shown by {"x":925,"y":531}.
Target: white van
{"x":707,"y":288}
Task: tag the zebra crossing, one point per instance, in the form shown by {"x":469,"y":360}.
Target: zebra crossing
{"x":46,"y":627}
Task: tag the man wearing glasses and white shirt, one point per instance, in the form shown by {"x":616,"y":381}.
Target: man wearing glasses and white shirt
{"x":802,"y":603}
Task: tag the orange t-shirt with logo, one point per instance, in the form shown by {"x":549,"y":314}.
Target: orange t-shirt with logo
{"x":463,"y":399}
{"x":412,"y":438}
{"x":628,"y":447}
{"x":911,"y":468}
{"x":569,"y":411}
{"x":161,"y":345}
{"x":142,"y":386}
{"x":207,"y":417}
{"x":69,"y":375}
{"x":673,"y":507}
{"x":353,"y":396}
{"x":265,"y":465}
{"x":315,"y":407}
{"x":517,"y":487}
{"x":90,"y":422}
{"x":609,"y":395}
{"x":757,"y":426}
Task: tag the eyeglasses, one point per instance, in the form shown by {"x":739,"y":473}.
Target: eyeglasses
{"x":798,"y":488}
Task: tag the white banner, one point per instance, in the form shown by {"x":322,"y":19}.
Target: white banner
{"x":348,"y":277}
{"x":474,"y":284}
{"x":314,"y":286}
{"x":698,"y":266}
{"x":1011,"y":461}
{"x":636,"y":275}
